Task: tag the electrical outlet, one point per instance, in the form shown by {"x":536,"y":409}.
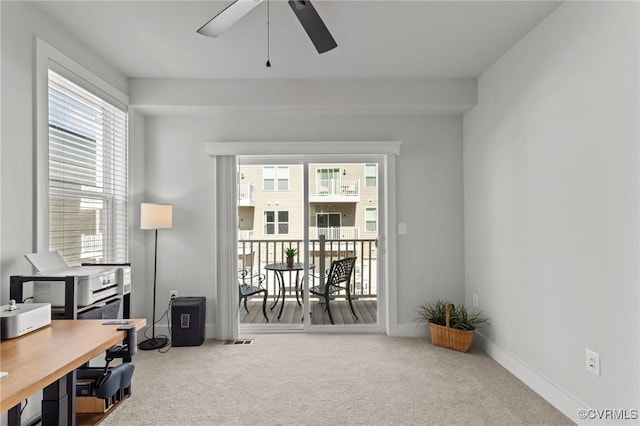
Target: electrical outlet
{"x":475,"y":302}
{"x":592,"y":362}
{"x":173,"y":294}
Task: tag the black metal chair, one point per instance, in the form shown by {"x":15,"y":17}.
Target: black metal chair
{"x":340,"y":273}
{"x":251,"y":285}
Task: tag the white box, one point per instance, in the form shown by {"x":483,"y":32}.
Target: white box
{"x":26,"y":317}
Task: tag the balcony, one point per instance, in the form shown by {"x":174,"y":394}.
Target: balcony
{"x":253,"y":255}
{"x":335,"y":232}
{"x":246,"y":195}
{"x":335,"y":191}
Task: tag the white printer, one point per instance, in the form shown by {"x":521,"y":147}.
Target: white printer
{"x":95,"y":282}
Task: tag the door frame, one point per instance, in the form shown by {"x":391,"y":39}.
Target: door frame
{"x":381,"y":152}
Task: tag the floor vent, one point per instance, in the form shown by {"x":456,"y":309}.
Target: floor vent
{"x":238,"y":342}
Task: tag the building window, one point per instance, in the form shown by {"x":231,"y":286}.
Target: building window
{"x":328,"y":181}
{"x":371,"y":219}
{"x":276,"y":222}
{"x":275,"y":178}
{"x":370,"y":175}
{"x":88,"y":181}
{"x":329,"y":225}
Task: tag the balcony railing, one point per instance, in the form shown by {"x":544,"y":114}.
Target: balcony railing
{"x":246,"y":194}
{"x":253,"y":255}
{"x":335,"y":232}
{"x":335,"y":190}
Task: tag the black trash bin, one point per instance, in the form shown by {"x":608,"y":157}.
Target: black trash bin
{"x":187,"y":321}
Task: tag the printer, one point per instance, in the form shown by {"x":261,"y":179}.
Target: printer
{"x":95,"y":282}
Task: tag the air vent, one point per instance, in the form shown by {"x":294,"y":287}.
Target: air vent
{"x":238,"y":342}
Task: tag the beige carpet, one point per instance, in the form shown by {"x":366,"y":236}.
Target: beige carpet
{"x":311,"y":379}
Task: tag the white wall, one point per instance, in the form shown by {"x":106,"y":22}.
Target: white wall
{"x":178,"y":169}
{"x":551,"y":168}
{"x":429,"y":194}
{"x":21,"y":24}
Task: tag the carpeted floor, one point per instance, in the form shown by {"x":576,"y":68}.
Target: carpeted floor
{"x":327,"y":379}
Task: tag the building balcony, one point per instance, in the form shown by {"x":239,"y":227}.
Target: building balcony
{"x":246,"y":195}
{"x":335,"y":232}
{"x":253,"y":255}
{"x":335,"y":191}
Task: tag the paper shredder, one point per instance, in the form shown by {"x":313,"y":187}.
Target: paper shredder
{"x":187,"y":321}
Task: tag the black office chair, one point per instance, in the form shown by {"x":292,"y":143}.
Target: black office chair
{"x":340,"y":273}
{"x":250,"y":285}
{"x":109,"y":383}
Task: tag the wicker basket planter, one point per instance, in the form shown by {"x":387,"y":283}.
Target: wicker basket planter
{"x":451,"y":338}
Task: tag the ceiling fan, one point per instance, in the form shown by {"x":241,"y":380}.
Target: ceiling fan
{"x":303,"y":9}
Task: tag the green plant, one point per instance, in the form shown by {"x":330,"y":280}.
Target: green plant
{"x":459,"y":316}
{"x":290,"y":252}
{"x":433,"y":312}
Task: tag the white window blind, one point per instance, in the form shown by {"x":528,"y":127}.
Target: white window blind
{"x":88,"y":180}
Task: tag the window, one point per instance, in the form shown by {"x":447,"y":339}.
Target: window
{"x":271,"y":225}
{"x":275,"y":178}
{"x":329,"y":225}
{"x":371,"y":219}
{"x":370,"y":175}
{"x":328,"y":174}
{"x":88,"y":180}
{"x":328,"y":181}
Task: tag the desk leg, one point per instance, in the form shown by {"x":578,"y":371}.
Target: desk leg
{"x":13,"y":416}
{"x":59,"y":402}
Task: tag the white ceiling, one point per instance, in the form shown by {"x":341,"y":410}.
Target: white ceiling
{"x":376,"y":39}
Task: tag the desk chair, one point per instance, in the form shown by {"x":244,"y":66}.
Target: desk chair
{"x":109,"y":383}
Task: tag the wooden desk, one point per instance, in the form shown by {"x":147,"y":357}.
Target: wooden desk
{"x":40,"y":358}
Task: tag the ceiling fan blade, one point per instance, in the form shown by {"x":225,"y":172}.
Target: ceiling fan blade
{"x":227,"y":17}
{"x":313,"y":25}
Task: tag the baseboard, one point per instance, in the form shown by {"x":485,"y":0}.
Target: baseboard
{"x":553,"y":394}
{"x":412,"y":329}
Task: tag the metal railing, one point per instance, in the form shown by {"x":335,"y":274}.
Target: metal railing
{"x":253,"y":255}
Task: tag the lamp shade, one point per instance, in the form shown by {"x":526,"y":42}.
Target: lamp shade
{"x":155,"y":216}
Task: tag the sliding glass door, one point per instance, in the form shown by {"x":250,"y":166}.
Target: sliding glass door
{"x":328,"y":212}
{"x":343,"y":237}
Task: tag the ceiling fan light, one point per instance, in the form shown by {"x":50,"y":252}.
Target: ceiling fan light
{"x":227,"y":17}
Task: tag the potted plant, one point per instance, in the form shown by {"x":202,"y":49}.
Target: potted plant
{"x":290,"y":253}
{"x":450,"y":326}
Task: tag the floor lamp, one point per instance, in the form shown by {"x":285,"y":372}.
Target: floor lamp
{"x":155,"y":216}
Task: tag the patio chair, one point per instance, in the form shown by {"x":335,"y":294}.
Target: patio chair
{"x":250,"y":285}
{"x":340,"y":273}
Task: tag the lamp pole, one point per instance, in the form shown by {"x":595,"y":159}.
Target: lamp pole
{"x":154,"y":217}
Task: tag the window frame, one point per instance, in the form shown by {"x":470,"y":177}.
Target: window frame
{"x":45,"y":54}
{"x":368,"y":176}
{"x":87,"y":174}
{"x":367,"y":221}
{"x":276,"y":223}
{"x":280,"y":178}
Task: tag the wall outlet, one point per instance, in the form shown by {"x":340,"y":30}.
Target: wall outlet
{"x":173,"y":294}
{"x":475,"y":302}
{"x":592,"y":362}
